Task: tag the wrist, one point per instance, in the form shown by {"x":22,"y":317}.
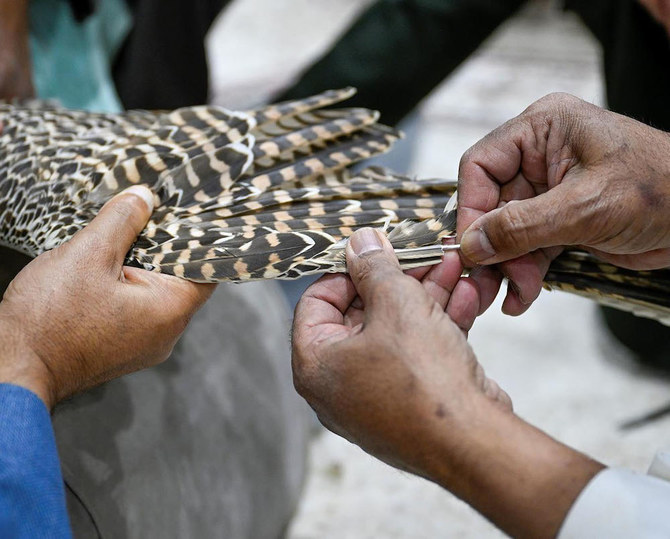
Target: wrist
{"x":518,"y":477}
{"x":21,"y":366}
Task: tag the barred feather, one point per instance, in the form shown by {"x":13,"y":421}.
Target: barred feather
{"x":248,"y":195}
{"x":644,"y":293}
{"x":240,"y":195}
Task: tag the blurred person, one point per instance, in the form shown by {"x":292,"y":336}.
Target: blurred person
{"x":382,"y":356}
{"x":105,"y":55}
{"x":397,"y":52}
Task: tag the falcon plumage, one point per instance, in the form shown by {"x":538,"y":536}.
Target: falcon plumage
{"x":240,"y":196}
{"x":263,"y":194}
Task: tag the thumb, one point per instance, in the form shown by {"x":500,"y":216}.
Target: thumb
{"x":522,"y":226}
{"x":373,"y":267}
{"x":120,"y":221}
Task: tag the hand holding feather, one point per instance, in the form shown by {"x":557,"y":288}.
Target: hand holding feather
{"x":563,"y":173}
{"x":393,"y":373}
{"x":76,"y":317}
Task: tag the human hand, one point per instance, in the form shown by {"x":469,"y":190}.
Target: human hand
{"x":15,"y":65}
{"x":564,"y":172}
{"x":660,"y":10}
{"x":76,"y":317}
{"x":391,"y":369}
{"x":394,"y":375}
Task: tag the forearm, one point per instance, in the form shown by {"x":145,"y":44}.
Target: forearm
{"x":398,"y":379}
{"x":518,"y":477}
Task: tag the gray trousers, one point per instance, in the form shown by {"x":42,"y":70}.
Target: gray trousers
{"x":209,"y":444}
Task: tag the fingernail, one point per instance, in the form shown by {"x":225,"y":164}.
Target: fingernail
{"x":141,"y":191}
{"x":517,"y":290}
{"x":476,"y":246}
{"x":365,"y":240}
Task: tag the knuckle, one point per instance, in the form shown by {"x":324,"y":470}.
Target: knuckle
{"x":554,"y":106}
{"x":364,"y":269}
{"x":467,"y":157}
{"x":377,"y":266}
{"x":168,"y":319}
{"x":387,"y":294}
{"x":562,"y":111}
{"x":473,"y":157}
{"x":299,"y":379}
{"x":561,"y":97}
{"x":129,"y":206}
{"x":511,"y":231}
{"x":127,"y":213}
{"x":553,"y":100}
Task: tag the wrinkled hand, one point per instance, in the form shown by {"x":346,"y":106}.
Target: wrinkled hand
{"x":386,"y":370}
{"x":564,"y":172}
{"x":76,"y":317}
{"x":391,"y":372}
{"x":15,"y":64}
{"x":660,"y":10}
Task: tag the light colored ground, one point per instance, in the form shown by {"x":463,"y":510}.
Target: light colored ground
{"x":563,"y":372}
{"x":258,"y":46}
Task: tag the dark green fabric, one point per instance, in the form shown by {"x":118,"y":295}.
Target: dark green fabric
{"x":637,"y":73}
{"x":399,"y":50}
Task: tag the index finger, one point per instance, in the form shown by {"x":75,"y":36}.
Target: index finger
{"x":319,"y":315}
{"x":325,"y":301}
{"x":487,"y":165}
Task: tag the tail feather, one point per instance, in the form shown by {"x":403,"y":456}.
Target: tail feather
{"x":288,"y":248}
{"x":337,"y":155}
{"x":365,"y":193}
{"x":644,"y":293}
{"x":304,"y":137}
{"x":186,"y":148}
{"x":315,"y":120}
{"x":248,"y":195}
{"x":267,"y":115}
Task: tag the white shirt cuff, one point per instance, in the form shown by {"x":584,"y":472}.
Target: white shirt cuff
{"x":620,"y":503}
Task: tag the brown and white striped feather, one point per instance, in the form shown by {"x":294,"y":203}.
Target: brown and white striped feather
{"x":240,"y":196}
{"x":248,"y":195}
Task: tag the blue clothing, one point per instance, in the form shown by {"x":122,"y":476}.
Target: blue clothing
{"x":72,"y":60}
{"x":32,"y":495}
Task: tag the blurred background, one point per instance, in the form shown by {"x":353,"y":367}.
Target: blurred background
{"x":564,"y":371}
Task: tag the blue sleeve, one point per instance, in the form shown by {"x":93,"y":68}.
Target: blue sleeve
{"x":32,"y":495}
